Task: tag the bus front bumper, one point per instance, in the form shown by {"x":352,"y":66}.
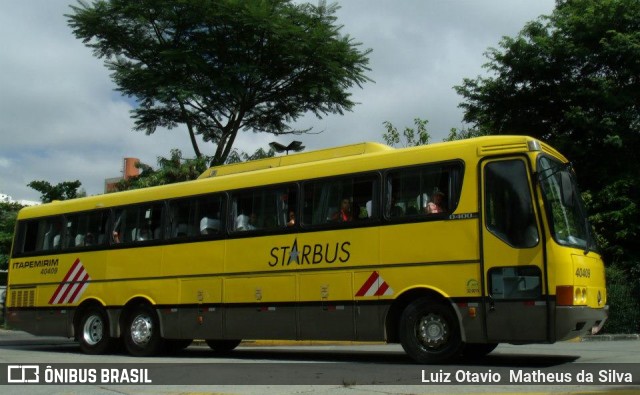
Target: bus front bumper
{"x":574,"y":321}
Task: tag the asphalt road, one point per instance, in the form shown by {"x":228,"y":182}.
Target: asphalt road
{"x":262,"y":368}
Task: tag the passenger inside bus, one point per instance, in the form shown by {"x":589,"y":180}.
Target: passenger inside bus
{"x":435,"y":206}
{"x":292,"y":219}
{"x":344,"y":214}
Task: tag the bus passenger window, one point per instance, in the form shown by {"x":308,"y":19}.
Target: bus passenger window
{"x":428,"y":190}
{"x":194,"y":216}
{"x":342,"y":200}
{"x":138,"y":223}
{"x":86,"y":229}
{"x":42,"y":235}
{"x":266,"y":209}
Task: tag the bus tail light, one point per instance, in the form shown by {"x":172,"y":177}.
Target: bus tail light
{"x":568,"y":295}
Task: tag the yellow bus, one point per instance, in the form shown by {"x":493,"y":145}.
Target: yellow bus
{"x":447,"y":249}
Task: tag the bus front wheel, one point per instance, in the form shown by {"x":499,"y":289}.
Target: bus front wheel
{"x":222,"y":345}
{"x":429,"y":331}
{"x":92,"y":331}
{"x":142,"y":331}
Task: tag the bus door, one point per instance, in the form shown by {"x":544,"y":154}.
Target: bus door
{"x":512,"y":254}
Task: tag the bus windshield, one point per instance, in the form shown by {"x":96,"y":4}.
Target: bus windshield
{"x":566,"y":214}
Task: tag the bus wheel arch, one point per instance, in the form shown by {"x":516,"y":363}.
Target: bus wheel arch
{"x":427,"y":325}
{"x":91,"y":327}
{"x":140,"y":328}
{"x":400,"y":303}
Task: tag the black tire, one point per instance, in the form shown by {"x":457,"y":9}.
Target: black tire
{"x":176,"y":345}
{"x":478,"y":350}
{"x":222,"y":345}
{"x":142,"y":331}
{"x":429,"y":332}
{"x":92,"y":331}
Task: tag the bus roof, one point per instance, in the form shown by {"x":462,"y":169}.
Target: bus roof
{"x":294,"y":159}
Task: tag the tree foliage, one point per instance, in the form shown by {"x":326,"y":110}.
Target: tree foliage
{"x":411,"y":137}
{"x":573,"y":79}
{"x":178,"y":169}
{"x":170,"y":170}
{"x":8,"y":215}
{"x":419,"y":135}
{"x":220,"y":67}
{"x":62,"y":191}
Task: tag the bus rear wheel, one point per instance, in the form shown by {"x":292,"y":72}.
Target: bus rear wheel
{"x":92,"y":331}
{"x":142,"y":331}
{"x":429,"y":332}
{"x":223,"y":345}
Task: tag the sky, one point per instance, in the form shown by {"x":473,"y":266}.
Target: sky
{"x":62,"y":120}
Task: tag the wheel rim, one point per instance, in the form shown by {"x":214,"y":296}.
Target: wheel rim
{"x":93,"y":330}
{"x":141,"y":330}
{"x":433,"y":331}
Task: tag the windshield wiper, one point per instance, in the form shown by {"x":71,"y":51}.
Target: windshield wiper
{"x":555,"y":170}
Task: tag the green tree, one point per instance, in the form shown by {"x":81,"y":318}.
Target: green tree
{"x":461,"y":134}
{"x":61,"y":191}
{"x":411,"y":137}
{"x":241,"y":156}
{"x":170,"y":170}
{"x":8,"y":215}
{"x":572,"y":79}
{"x":220,"y":67}
{"x":178,"y":169}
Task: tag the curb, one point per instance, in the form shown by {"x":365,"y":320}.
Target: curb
{"x":599,"y":338}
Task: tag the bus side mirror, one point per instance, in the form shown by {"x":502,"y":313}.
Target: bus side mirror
{"x":566,"y":189}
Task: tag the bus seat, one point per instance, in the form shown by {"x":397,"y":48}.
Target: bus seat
{"x":56,"y":242}
{"x":181,"y":230}
{"x":79,"y":241}
{"x":242,"y":222}
{"x":209,"y":226}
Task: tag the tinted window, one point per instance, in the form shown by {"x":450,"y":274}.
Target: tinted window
{"x":86,"y":229}
{"x":138,"y":223}
{"x":45,"y":234}
{"x":515,"y":282}
{"x":428,"y":190}
{"x":263,"y":209}
{"x":194,"y":217}
{"x":508,"y":206}
{"x":340,"y":200}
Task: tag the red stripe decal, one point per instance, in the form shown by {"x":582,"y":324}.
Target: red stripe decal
{"x":372,"y":279}
{"x":383,"y":288}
